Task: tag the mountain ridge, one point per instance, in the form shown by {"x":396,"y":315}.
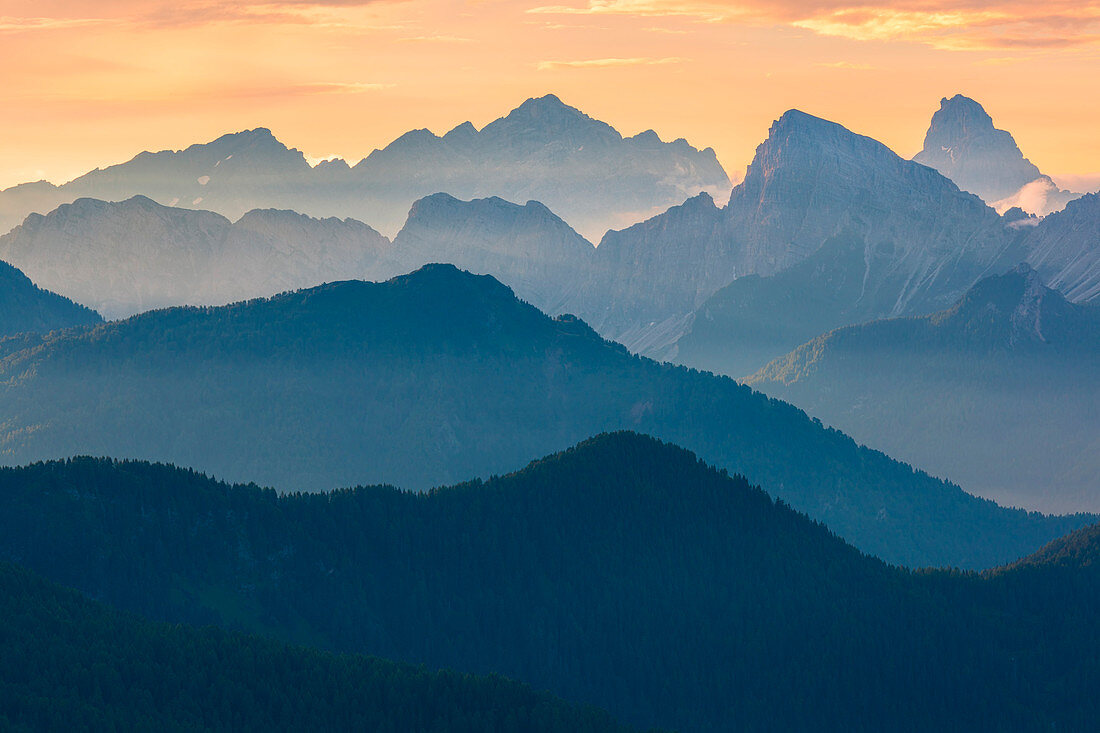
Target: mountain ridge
{"x":976,"y":393}
{"x":538,"y":151}
{"x":438,"y":376}
{"x":691,"y":581}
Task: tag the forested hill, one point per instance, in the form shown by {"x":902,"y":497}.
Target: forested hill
{"x":26,"y":307}
{"x":440,"y":376}
{"x":623,"y":573}
{"x":70,"y":663}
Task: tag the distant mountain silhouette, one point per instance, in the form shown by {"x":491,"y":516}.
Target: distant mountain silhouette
{"x":71,"y":663}
{"x":997,"y":393}
{"x":440,"y":376}
{"x":527,"y":247}
{"x":135,"y":255}
{"x":623,"y":572}
{"x":963,"y":145}
{"x":544,"y":150}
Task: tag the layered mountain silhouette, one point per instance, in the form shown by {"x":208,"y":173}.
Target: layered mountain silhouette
{"x":71,"y":663}
{"x":439,"y":376}
{"x":997,"y":393}
{"x":819,"y":205}
{"x":543,"y":150}
{"x":623,"y":572}
{"x":25,"y":307}
{"x":963,"y":145}
{"x":135,"y":255}
{"x":527,"y":247}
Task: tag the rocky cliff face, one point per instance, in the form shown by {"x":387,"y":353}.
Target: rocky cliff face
{"x":1065,"y":249}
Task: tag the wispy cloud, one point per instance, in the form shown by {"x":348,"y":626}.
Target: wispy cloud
{"x":436,"y":39}
{"x":847,"y":65}
{"x":607,"y":63}
{"x":946,"y":24}
{"x":9,"y":24}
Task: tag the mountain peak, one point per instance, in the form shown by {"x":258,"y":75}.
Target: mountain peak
{"x":964,"y":111}
{"x":548,"y":118}
{"x":962,"y":144}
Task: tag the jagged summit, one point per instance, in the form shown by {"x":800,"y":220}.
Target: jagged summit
{"x":547,"y":117}
{"x":965,"y":113}
{"x":962,"y":144}
{"x":797,"y":138}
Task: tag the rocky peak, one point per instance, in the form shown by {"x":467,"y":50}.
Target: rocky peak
{"x":546,"y":119}
{"x":962,"y":144}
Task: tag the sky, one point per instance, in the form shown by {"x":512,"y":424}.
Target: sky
{"x":88,"y":84}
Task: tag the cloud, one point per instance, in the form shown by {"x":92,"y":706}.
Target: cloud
{"x":847,"y":65}
{"x":189,"y":13}
{"x":946,"y":24}
{"x":606,"y":63}
{"x":436,"y":39}
{"x":9,"y":24}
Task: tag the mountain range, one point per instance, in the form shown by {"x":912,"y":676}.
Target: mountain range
{"x":543,"y":150}
{"x":136,"y":255}
{"x":440,"y":376}
{"x":997,"y":393}
{"x":835,"y":205}
{"x":963,"y":145}
{"x":623,"y":572}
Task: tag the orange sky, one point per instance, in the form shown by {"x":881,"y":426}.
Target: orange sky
{"x":92,"y":83}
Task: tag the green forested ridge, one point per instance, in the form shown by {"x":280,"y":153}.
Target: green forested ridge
{"x":26,"y":307}
{"x":71,"y":664}
{"x":998,"y":392}
{"x":622,"y":573}
{"x":438,"y":376}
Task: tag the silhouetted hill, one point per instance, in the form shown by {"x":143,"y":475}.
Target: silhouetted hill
{"x":439,"y":376}
{"x":72,"y":664}
{"x":998,"y":392}
{"x":623,"y":572}
{"x":25,"y":307}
